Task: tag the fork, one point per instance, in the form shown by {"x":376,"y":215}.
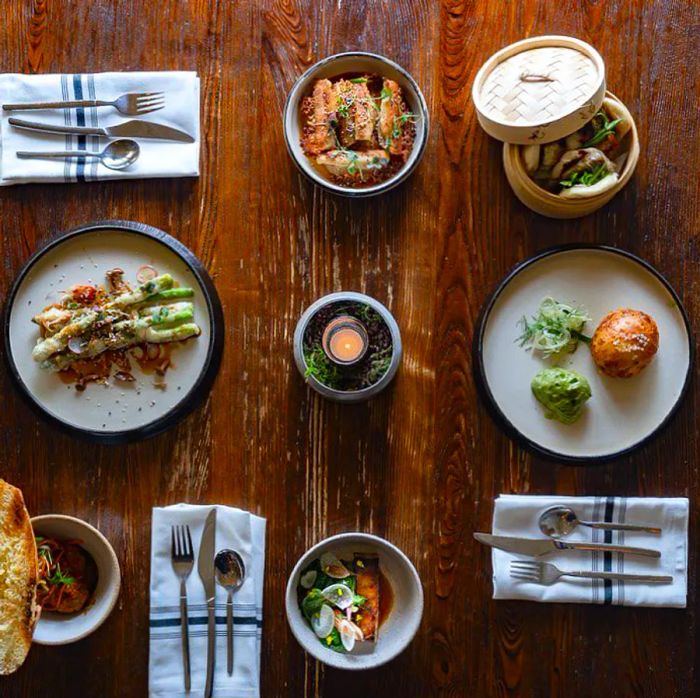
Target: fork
{"x":182,"y":556}
{"x":131,"y":104}
{"x":547,"y":573}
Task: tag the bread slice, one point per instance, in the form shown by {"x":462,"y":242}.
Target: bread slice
{"x":18,"y":579}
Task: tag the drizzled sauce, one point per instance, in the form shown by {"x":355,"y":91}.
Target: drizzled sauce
{"x":386,"y":597}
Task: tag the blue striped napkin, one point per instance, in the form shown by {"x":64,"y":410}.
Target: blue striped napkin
{"x":235,"y":529}
{"x":157,"y":158}
{"x":517,"y":515}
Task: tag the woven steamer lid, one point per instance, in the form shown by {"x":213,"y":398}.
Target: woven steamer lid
{"x":539,"y":90}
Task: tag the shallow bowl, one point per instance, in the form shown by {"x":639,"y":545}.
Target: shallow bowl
{"x":355,"y":62}
{"x":396,"y":631}
{"x":59,"y":629}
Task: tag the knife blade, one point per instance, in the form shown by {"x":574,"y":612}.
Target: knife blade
{"x":126,"y":129}
{"x":537,"y":547}
{"x":205,"y":567}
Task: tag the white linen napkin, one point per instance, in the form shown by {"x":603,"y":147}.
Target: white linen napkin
{"x":516,"y":515}
{"x":157,"y":159}
{"x":235,"y":529}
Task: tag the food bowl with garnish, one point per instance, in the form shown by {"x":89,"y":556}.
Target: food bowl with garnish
{"x":347,"y":346}
{"x":356,"y":124}
{"x":354,"y":601}
{"x":78,"y":579}
{"x":569,"y":145}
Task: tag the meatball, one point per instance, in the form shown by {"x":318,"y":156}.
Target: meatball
{"x":625,"y":342}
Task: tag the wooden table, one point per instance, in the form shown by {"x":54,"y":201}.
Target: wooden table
{"x":422,"y":463}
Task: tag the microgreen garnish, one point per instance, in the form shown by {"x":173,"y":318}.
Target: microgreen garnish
{"x":606,"y":129}
{"x":358,"y":81}
{"x":587,"y":178}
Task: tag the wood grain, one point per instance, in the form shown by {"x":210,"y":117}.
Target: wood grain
{"x":422,"y":463}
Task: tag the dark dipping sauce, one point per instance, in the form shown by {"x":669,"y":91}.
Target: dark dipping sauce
{"x":386,"y":598}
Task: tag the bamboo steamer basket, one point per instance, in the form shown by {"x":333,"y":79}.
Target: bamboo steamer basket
{"x":540,"y":90}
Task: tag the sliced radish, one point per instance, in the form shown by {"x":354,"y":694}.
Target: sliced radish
{"x":349,"y":632}
{"x":338,"y":595}
{"x":146,"y":273}
{"x":333,"y":567}
{"x":323,"y":622}
{"x":307,"y":580}
{"x":77,"y":345}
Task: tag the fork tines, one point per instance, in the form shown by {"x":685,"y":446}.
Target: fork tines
{"x":149,"y":101}
{"x":525,"y":569}
{"x":181,"y":543}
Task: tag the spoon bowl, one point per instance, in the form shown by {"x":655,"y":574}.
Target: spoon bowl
{"x":119,"y":155}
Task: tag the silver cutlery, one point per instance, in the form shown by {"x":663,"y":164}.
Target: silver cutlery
{"x":205,"y":567}
{"x":546,"y":573}
{"x":559,"y":521}
{"x":536,"y":547}
{"x":230,"y":574}
{"x":127,"y":129}
{"x":131,"y":104}
{"x":182,"y":558}
{"x":118,"y":155}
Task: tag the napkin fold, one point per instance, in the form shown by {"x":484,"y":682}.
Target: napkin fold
{"x":517,"y":515}
{"x":157,"y":158}
{"x":235,"y":529}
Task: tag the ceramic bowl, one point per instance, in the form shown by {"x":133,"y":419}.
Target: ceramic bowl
{"x":59,"y":629}
{"x":396,"y":631}
{"x":355,"y":62}
{"x":348,"y":395}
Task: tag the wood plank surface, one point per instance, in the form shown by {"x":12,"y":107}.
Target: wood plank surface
{"x":422,"y":463}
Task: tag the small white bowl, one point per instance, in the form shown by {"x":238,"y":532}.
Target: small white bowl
{"x":396,"y":631}
{"x":355,"y":62}
{"x":59,"y":629}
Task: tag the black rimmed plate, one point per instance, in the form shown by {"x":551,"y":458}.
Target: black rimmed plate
{"x":117,"y":412}
{"x":623,"y":413}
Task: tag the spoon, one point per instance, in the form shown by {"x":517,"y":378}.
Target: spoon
{"x":230,"y":573}
{"x":559,"y":521}
{"x":118,"y":155}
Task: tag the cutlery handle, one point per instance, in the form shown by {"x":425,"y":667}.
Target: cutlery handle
{"x":184,"y":625}
{"x":622,"y":527}
{"x":56,"y":105}
{"x":604,"y":547}
{"x":229,"y":634}
{"x":55,"y":155}
{"x":653,"y":578}
{"x":55,"y":128}
{"x":211,"y":647}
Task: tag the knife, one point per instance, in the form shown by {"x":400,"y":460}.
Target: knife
{"x":205,"y":567}
{"x":537,"y":547}
{"x":127,"y":129}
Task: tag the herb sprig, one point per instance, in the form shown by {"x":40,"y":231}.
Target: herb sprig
{"x":607,"y":128}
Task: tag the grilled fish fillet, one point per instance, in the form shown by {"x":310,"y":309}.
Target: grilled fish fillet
{"x":367,"y":571}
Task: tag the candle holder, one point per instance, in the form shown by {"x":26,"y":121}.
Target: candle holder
{"x":364,"y":357}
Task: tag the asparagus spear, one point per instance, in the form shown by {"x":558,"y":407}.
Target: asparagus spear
{"x":149,"y":334}
{"x":144,"y":291}
{"x":59,"y":341}
{"x":170,"y":294}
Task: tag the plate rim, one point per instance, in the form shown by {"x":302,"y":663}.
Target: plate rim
{"x":212,"y":362}
{"x":479,"y":371}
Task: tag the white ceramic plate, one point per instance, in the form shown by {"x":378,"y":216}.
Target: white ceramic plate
{"x":117,"y":411}
{"x":395,"y":632}
{"x":60,"y":629}
{"x":622,"y":413}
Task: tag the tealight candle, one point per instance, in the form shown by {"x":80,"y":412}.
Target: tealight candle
{"x":345,"y":340}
